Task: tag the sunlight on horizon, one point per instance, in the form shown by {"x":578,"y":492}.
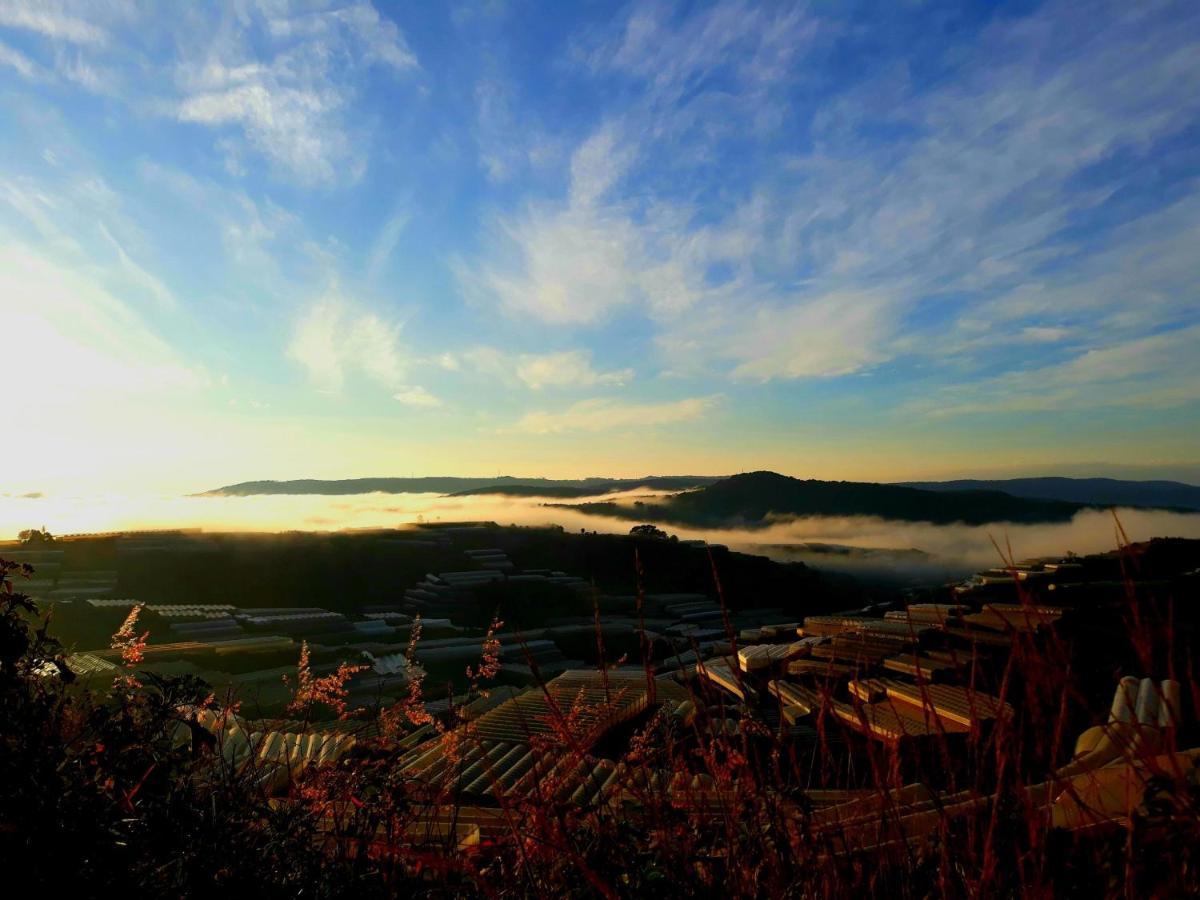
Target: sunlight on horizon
{"x":649,"y":242}
{"x":895,"y":304}
{"x":959,"y":548}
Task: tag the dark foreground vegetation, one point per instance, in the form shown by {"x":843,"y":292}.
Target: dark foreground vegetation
{"x":133,"y":786}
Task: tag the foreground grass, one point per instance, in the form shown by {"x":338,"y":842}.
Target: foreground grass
{"x":134,"y":788}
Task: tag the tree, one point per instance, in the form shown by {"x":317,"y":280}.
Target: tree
{"x":649,"y":531}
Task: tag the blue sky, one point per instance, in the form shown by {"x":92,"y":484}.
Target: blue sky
{"x":275,"y":239}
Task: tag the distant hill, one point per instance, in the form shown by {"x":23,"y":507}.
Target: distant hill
{"x":545,"y":489}
{"x":753,"y":499}
{"x":1093,"y":491}
{"x":501,"y":484}
{"x":562,"y":491}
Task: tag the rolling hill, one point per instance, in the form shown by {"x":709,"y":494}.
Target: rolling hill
{"x":752,"y":497}
{"x":757,"y":498}
{"x":1096,"y":491}
{"x":501,"y":484}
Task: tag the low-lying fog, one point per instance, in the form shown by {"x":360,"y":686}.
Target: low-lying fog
{"x":951,"y":550}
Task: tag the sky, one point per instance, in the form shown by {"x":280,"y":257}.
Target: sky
{"x":271,"y":239}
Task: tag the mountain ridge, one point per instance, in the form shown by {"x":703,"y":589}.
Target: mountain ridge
{"x":1160,"y":494}
{"x":756,"y":499}
{"x":445,"y":484}
{"x":1095,"y":492}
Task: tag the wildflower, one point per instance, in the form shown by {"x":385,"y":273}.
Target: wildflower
{"x":453,"y":741}
{"x":643,"y":745}
{"x":409,"y":709}
{"x":413,"y":704}
{"x":328,"y":690}
{"x":489,"y":665}
{"x":131,"y":647}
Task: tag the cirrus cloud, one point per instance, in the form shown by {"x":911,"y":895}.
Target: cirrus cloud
{"x":333,"y":341}
{"x":285,"y":80}
{"x":416,"y":396}
{"x":602,"y":414}
{"x":570,"y":368}
{"x":51,"y":21}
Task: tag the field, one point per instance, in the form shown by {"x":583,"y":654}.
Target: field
{"x":941,"y":743}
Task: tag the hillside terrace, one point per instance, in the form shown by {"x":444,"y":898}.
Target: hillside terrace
{"x":916,"y":684}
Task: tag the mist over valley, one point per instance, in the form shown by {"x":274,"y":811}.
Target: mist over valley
{"x":870,"y":546}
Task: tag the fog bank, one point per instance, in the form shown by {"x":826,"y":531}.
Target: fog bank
{"x":950,"y":550}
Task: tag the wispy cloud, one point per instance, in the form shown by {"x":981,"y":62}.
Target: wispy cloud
{"x":246,"y":227}
{"x":597,"y":165}
{"x":809,"y":337}
{"x":285,"y":81}
{"x":333,"y":342}
{"x":894,"y":221}
{"x":379,"y":38}
{"x":385,"y":243}
{"x":567,"y":264}
{"x":416,"y":396}
{"x":852,"y":250}
{"x":1158,"y":371}
{"x":504,"y":140}
{"x":675,"y":55}
{"x":14,"y":59}
{"x":138,"y":275}
{"x":603,"y":414}
{"x":563,"y":369}
{"x":69,"y":213}
{"x":291,"y":126}
{"x":568,"y":369}
{"x":51,"y":20}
